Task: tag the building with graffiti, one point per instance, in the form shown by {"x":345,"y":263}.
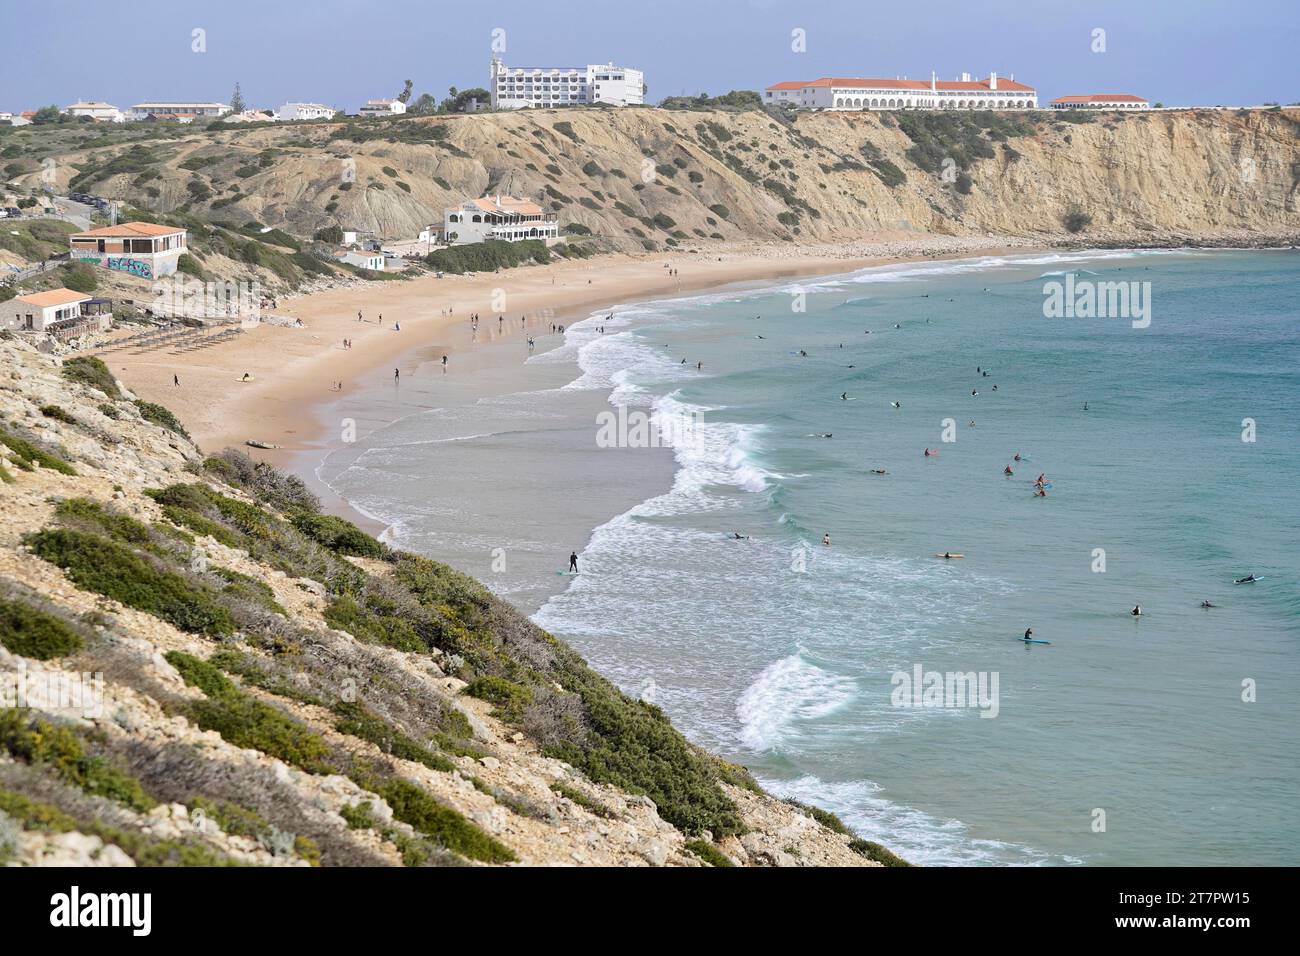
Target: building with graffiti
{"x":142,"y":249}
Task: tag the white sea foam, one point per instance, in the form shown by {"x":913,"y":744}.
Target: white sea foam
{"x":916,"y":836}
{"x":787,"y":692}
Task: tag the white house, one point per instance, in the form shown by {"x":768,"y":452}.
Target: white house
{"x":502,"y":218}
{"x":518,"y":87}
{"x":855,"y":93}
{"x":50,"y":311}
{"x":382,"y":108}
{"x":178,"y":112}
{"x":305,"y":111}
{"x":362,"y":260}
{"x":1101,"y":101}
{"x":102,"y":112}
{"x":143,"y":249}
{"x":14,"y":119}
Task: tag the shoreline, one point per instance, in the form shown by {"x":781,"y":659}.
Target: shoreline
{"x":291,"y":366}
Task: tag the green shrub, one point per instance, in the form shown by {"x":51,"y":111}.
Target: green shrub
{"x":58,"y":414}
{"x":115,"y":571}
{"x":89,"y":370}
{"x":488,"y":256}
{"x":582,"y":800}
{"x":565,"y":128}
{"x":707,"y":852}
{"x":90,"y":515}
{"x":346,"y":614}
{"x":161,"y":416}
{"x":338,"y":534}
{"x":355,"y":720}
{"x":62,"y":750}
{"x":508,"y":697}
{"x":246,"y":722}
{"x":80,"y":277}
{"x":27,"y":632}
{"x":359,"y":816}
{"x":442,"y":824}
{"x":874,"y":851}
{"x":721,"y":211}
{"x":26,"y":455}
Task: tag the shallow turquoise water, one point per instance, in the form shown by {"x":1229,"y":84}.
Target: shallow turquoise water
{"x":789,"y":671}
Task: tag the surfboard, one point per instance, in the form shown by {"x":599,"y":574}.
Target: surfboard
{"x":567,"y":573}
{"x":949,"y":555}
{"x":1258,"y":577}
{"x":1030,"y":640}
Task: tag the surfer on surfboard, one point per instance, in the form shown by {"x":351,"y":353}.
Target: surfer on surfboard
{"x":573,"y":562}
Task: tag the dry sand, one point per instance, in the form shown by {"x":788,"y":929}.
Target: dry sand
{"x":295,"y":369}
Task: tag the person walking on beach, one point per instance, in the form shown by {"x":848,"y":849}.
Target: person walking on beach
{"x":444,"y":363}
{"x":573,"y":562}
{"x":397,"y":373}
{"x":358,"y":315}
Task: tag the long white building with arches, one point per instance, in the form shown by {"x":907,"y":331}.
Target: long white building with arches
{"x":854,"y":93}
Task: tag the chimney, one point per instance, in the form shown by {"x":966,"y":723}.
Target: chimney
{"x":993,"y":80}
{"x":965,"y":77}
{"x":934,"y":81}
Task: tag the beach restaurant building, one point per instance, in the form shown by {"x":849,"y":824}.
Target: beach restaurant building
{"x":900,"y":93}
{"x":143,"y":249}
{"x":499,"y":218}
{"x":50,"y":311}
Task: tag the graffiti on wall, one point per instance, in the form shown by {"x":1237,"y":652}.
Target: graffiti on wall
{"x":135,"y":267}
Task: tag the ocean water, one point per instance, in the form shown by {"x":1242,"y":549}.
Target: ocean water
{"x":1125,"y":741}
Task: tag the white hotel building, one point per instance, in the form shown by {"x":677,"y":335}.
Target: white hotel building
{"x":1101,"y":101}
{"x":852,"y":93}
{"x":518,"y":87}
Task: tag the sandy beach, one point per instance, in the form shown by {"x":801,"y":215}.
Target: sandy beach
{"x":293,"y":370}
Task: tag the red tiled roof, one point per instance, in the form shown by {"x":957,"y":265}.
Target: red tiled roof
{"x":1010,"y":86}
{"x":44,"y":300}
{"x":789,"y":85}
{"x":1101,"y":98}
{"x":129,"y":230}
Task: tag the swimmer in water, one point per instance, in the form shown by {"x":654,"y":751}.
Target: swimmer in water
{"x":1007,"y":471}
{"x":1207,"y":604}
{"x":931,"y":454}
{"x":879,"y":471}
{"x":1016,"y":457}
{"x":1137,"y":610}
{"x":826,"y":539}
{"x":844,"y":396}
{"x":896,"y":404}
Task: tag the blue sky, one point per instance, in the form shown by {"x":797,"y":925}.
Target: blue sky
{"x":341,"y":53}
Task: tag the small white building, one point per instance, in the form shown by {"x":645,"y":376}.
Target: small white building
{"x":1101,"y":101}
{"x":382,"y":108}
{"x":498,"y":218}
{"x":177,"y":112}
{"x":142,"y":249}
{"x":50,"y":311}
{"x":519,"y":87}
{"x":14,"y":119}
{"x":101,"y":112}
{"x":305,"y":111}
{"x":900,"y":93}
{"x":362,"y":260}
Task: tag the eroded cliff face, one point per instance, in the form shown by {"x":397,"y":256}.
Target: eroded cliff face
{"x":639,"y":179}
{"x":250,"y":711}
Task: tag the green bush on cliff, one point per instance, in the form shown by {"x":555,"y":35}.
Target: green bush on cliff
{"x":246,"y":722}
{"x":707,"y":852}
{"x":115,"y":571}
{"x":874,"y":851}
{"x":160,"y":415}
{"x":62,"y":750}
{"x":442,"y":824}
{"x":357,"y":721}
{"x":338,"y":534}
{"x":509,"y":698}
{"x":26,"y":455}
{"x":27,"y":632}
